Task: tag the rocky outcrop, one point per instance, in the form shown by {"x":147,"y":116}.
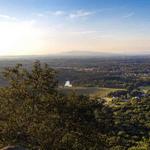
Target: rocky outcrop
{"x":13,"y":148}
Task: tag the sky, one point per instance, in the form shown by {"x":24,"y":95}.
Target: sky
{"x":41,"y":27}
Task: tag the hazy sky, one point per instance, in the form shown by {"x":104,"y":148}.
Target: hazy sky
{"x":53,"y":26}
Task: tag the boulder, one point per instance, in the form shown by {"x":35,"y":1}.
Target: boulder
{"x":13,"y":148}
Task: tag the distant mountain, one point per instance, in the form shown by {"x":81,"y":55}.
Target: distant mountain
{"x":77,"y":54}
{"x":86,"y":54}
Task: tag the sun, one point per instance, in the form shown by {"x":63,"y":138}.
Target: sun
{"x":19,"y":38}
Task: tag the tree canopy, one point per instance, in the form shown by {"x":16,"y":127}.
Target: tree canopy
{"x":35,"y":115}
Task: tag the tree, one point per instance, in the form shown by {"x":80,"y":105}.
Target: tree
{"x":25,"y":101}
{"x":35,"y":115}
{"x":142,"y":145}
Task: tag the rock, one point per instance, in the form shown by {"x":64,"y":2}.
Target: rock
{"x":13,"y":148}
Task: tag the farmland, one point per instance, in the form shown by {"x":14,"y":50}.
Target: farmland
{"x":88,"y":91}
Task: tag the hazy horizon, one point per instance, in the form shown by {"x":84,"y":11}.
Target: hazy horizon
{"x":46,"y":27}
{"x":76,"y":54}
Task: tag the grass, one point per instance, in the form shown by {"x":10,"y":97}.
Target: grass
{"x":103,"y":92}
{"x":90,"y":91}
{"x":79,"y":90}
{"x":145,"y":88}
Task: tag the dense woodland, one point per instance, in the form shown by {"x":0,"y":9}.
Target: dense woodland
{"x":93,"y":72}
{"x":108,"y":72}
{"x":35,"y":115}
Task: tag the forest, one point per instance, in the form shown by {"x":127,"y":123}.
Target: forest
{"x":35,"y":115}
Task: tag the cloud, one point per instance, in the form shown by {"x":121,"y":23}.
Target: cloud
{"x":71,"y":14}
{"x":85,"y":32}
{"x":51,"y":13}
{"x":2,"y":16}
{"x":58,"y":13}
{"x":130,"y":14}
{"x":104,"y":10}
{"x":80,"y":13}
{"x":40,"y":15}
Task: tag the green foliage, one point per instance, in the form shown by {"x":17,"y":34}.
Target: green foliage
{"x":34,"y":115}
{"x":132,"y":121}
{"x":142,"y":145}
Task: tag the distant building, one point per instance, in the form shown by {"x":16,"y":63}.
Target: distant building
{"x":68,"y":84}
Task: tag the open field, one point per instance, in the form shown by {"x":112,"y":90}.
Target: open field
{"x":103,"y":92}
{"x":89,"y":91}
{"x":145,"y":88}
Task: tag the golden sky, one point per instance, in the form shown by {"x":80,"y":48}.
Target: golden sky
{"x":37,"y":28}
